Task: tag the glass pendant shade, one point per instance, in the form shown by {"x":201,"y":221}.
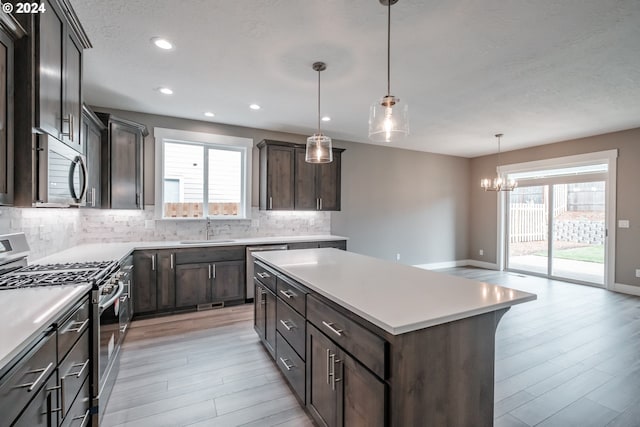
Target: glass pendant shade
{"x":500,"y":182}
{"x":388,"y":120}
{"x":319,"y":149}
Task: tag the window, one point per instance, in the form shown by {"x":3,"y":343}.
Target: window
{"x":201,"y":175}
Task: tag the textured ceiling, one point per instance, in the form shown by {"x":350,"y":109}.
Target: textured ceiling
{"x":539,"y":71}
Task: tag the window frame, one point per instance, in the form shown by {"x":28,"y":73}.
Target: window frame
{"x":207,"y":141}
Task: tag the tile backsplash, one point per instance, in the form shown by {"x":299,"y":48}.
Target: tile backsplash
{"x":52,"y":230}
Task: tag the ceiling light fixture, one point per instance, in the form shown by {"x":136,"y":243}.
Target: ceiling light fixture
{"x":500,"y":182}
{"x":319,"y":148}
{"x":326,"y":119}
{"x":209,"y":114}
{"x":165,"y":90}
{"x":254,"y":106}
{"x":385,"y":124}
{"x":162,"y":43}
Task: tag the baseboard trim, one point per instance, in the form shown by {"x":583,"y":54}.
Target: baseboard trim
{"x":626,"y":289}
{"x":458,"y":263}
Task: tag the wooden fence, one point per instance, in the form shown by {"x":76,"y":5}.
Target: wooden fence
{"x":527,"y":222}
{"x":194,"y":210}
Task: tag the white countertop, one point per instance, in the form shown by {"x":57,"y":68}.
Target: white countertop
{"x":395,"y":297}
{"x":26,"y":313}
{"x":117,"y":251}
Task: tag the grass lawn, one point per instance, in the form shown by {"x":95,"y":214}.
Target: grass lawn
{"x":587,"y":253}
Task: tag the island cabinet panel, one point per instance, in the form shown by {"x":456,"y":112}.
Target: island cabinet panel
{"x":291,"y":326}
{"x":265,"y":316}
{"x":292,"y":366}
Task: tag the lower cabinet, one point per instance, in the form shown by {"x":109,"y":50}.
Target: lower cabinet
{"x":49,"y":385}
{"x":265,"y":317}
{"x":340,"y":391}
{"x":213,"y":283}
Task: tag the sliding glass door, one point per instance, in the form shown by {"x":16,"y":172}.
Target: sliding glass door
{"x":556,"y":227}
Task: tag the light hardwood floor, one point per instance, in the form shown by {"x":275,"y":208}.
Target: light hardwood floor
{"x":571,"y":358}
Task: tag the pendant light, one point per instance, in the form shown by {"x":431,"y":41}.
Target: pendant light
{"x":387,"y":120}
{"x":319,"y":145}
{"x":500,"y":182}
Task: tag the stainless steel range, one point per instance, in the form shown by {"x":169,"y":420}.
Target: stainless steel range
{"x":111,"y":304}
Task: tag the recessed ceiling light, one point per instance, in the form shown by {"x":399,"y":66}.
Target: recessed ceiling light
{"x":165,"y":90}
{"x":254,"y":106}
{"x":162,"y":43}
{"x":209,"y":114}
{"x":326,"y":119}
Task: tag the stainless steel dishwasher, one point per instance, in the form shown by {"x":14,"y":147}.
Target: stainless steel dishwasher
{"x":250,"y":250}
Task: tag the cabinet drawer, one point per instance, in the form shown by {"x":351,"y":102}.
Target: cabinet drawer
{"x":291,"y":326}
{"x":338,"y":244}
{"x":364,"y":345}
{"x":74,"y":369}
{"x":209,"y":254}
{"x":79,"y":414}
{"x":72,"y":328}
{"x":292,"y":366}
{"x":41,"y":410}
{"x":292,"y":294}
{"x":265,"y":275}
{"x":24,"y":380}
{"x":303,"y":245}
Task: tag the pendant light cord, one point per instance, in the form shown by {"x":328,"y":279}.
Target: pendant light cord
{"x":389,"y":48}
{"x":319,"y":132}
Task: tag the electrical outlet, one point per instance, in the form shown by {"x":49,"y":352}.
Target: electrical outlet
{"x":481,"y":252}
{"x":623,"y":223}
{"x":637,"y":272}
{"x":398,"y":256}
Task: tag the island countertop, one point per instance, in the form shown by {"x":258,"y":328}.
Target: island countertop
{"x":395,"y":297}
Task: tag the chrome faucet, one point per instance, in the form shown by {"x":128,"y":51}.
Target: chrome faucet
{"x":208,"y":230}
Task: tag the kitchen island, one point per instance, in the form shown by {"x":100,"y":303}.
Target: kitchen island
{"x":363,"y":341}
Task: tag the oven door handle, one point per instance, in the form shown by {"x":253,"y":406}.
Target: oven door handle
{"x":114,"y":298}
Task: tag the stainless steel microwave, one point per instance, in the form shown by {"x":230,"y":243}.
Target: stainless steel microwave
{"x":61,"y":174}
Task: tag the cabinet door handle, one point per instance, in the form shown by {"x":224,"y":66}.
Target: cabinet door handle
{"x":209,"y":271}
{"x":286,"y":324}
{"x":270,"y":202}
{"x":79,"y":373}
{"x":93,"y":197}
{"x":214,"y":270}
{"x":153,"y":262}
{"x":288,"y":293}
{"x":286,"y":365}
{"x":321,"y":203}
{"x":78,"y":329}
{"x":171,"y":260}
{"x":69,"y":121}
{"x":33,"y":385}
{"x":328,"y":366}
{"x":333,"y":329}
{"x":263,"y":275}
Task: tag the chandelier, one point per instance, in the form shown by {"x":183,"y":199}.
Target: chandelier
{"x":500,"y":182}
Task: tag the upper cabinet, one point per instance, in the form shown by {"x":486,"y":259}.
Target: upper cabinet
{"x":287,"y":182}
{"x":91,"y":133}
{"x":48,"y":83}
{"x":59,"y":80}
{"x":6,"y":110}
{"x":122,"y":163}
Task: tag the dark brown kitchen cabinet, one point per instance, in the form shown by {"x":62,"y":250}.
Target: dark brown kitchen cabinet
{"x":317,"y":186}
{"x":265,"y":317}
{"x":340,"y":391}
{"x":122,"y":163}
{"x":48,"y":83}
{"x":154,"y":281}
{"x":91,"y":135}
{"x":6,"y":118}
{"x":276,"y":176}
{"x":193,"y":284}
{"x":59,"y":80}
{"x":288,"y":182}
{"x":228,"y":281}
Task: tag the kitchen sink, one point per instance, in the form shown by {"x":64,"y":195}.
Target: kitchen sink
{"x":200,"y":242}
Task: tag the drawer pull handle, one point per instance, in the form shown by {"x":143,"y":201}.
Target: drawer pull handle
{"x":286,"y":365}
{"x":79,"y":373}
{"x":263,"y":275}
{"x":78,"y":328}
{"x":286,"y":324}
{"x":82,"y":417}
{"x":288,"y":293}
{"x":33,"y":385}
{"x":331,"y":327}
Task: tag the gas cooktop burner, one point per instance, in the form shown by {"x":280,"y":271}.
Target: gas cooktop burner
{"x":57,"y":274}
{"x":66,"y":266}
